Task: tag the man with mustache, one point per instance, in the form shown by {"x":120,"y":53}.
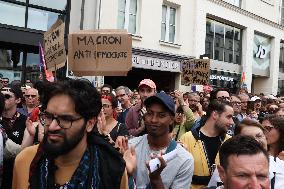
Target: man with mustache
{"x":71,"y":155}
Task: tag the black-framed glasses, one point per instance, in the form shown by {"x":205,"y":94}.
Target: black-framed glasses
{"x":64,"y":121}
{"x":105,"y":92}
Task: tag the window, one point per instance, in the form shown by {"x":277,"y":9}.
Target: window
{"x":32,"y":67}
{"x":237,"y":3}
{"x":41,"y":20}
{"x":224,"y":41}
{"x":127,"y":15}
{"x":12,"y":14}
{"x":32,"y":14}
{"x":54,"y":4}
{"x":281,"y":58}
{"x":168,"y":25}
{"x":282,"y":13}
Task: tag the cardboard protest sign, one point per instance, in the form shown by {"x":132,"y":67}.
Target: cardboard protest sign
{"x":100,"y":52}
{"x":54,"y":49}
{"x":195,"y":71}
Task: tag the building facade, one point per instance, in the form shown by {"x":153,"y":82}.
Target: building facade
{"x":238,"y":36}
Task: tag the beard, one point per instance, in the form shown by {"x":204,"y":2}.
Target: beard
{"x":221,"y":128}
{"x":55,"y":150}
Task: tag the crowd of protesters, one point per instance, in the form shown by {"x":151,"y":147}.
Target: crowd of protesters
{"x":69,"y":134}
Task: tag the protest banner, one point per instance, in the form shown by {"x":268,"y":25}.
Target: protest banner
{"x":54,"y":49}
{"x":100,"y":52}
{"x":195,"y":71}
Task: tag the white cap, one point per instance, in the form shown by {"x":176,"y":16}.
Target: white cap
{"x":254,"y":98}
{"x":272,"y":97}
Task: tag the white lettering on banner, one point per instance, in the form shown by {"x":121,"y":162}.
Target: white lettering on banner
{"x":261,"y":52}
{"x":155,"y":63}
{"x":224,"y":78}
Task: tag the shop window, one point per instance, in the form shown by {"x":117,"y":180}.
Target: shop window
{"x":12,"y":14}
{"x":219,"y":41}
{"x":237,"y":46}
{"x":226,"y":42}
{"x":41,"y":20}
{"x":281,"y":58}
{"x":230,"y":58}
{"x":11,"y":59}
{"x":127,"y":15}
{"x":32,"y":67}
{"x":229,"y":37}
{"x":168,"y":25}
{"x":11,"y":64}
{"x":209,"y":38}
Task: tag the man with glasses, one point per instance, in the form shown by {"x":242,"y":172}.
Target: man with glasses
{"x":244,"y":105}
{"x":31,"y":101}
{"x":220,"y":95}
{"x":123,"y":96}
{"x":71,"y":155}
{"x":106,"y":89}
{"x":236,"y":104}
{"x":14,"y":124}
{"x":5,"y":81}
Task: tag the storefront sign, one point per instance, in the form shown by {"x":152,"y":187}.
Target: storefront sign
{"x":54,"y":49}
{"x":220,"y":77}
{"x":100,"y":52}
{"x":195,"y":71}
{"x":261,"y":53}
{"x":155,"y":63}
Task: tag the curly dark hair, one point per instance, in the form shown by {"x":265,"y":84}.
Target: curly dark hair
{"x":86,"y":98}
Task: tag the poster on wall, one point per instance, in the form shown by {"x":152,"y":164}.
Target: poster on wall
{"x":195,"y":71}
{"x":100,"y":53}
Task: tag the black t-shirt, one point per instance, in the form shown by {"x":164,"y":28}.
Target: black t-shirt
{"x":15,"y":131}
{"x":212,"y":145}
{"x":119,"y":130}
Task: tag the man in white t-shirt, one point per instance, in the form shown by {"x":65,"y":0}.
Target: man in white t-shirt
{"x":177,"y":172}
